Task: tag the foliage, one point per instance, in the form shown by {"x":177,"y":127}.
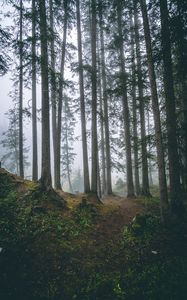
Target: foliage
{"x":47,"y":253}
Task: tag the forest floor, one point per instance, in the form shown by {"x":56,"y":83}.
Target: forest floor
{"x":117,"y":250}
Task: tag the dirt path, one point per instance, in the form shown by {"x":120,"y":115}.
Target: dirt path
{"x":119,"y":212}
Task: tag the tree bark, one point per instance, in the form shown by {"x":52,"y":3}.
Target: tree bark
{"x":59,"y":117}
{"x":173,"y":157}
{"x":130,"y":185}
{"x":145,"y":176}
{"x":102,"y":138}
{"x":156,"y":114}
{"x":53,"y":90}
{"x":94,"y":99}
{"x":45,"y":179}
{"x":105,"y":100}
{"x":34,"y":105}
{"x":135,"y":123}
{"x":82,"y":104}
{"x":182,"y":73}
{"x":21,"y":167}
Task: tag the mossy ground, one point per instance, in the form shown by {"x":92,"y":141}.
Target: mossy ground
{"x":93,"y":252}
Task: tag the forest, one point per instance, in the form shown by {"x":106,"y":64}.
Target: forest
{"x":93,"y":149}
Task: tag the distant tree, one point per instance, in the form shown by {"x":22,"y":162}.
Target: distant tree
{"x":68,"y":155}
{"x":5,"y":40}
{"x":10,"y":144}
{"x":78,"y":181}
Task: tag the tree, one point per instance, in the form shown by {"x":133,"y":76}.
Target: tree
{"x":45,"y":179}
{"x":105,"y":100}
{"x":173,"y":157}
{"x":21,"y":169}
{"x":156,"y":113}
{"x":94,"y":163}
{"x":10,"y":142}
{"x":53,"y":89}
{"x":135,"y":121}
{"x":59,"y":113}
{"x":130,"y":186}
{"x":68,"y":154}
{"x":145,"y":178}
{"x":82,"y":103}
{"x":34,"y":104}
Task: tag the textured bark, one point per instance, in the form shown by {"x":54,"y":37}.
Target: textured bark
{"x":67,"y":156}
{"x":149,"y":149}
{"x":53,"y":90}
{"x":130,"y":186}
{"x":34,"y":106}
{"x":145,"y":176}
{"x":59,"y":117}
{"x":182,"y":73}
{"x":135,"y":123}
{"x":156,"y":114}
{"x":82,"y":104}
{"x":21,"y":167}
{"x":45,"y":179}
{"x":94,"y":99}
{"x":102,"y":141}
{"x":173,"y":157}
{"x":105,"y":100}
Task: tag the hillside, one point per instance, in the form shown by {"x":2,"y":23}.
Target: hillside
{"x":115,"y":250}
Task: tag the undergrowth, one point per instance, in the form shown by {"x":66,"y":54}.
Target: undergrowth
{"x":51,"y":254}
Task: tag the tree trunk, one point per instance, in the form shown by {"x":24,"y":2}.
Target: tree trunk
{"x":46,"y":166}
{"x":53,"y":90}
{"x":182,"y":73}
{"x":102,"y":141}
{"x":21,"y":167}
{"x":94,"y":99}
{"x":156,"y":114}
{"x":173,"y":157}
{"x":130,"y":186}
{"x":105,"y":100}
{"x":59,"y":120}
{"x":149,"y":150}
{"x":82,"y":104}
{"x":145,"y":177}
{"x":34,"y":106}
{"x":135,"y":123}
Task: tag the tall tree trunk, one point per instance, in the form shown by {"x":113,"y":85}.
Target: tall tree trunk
{"x":105,"y":100}
{"x":135,"y":123}
{"x":53,"y":90}
{"x":130,"y":186}
{"x":173,"y":157}
{"x":149,"y":149}
{"x":59,"y":120}
{"x":46,"y":165}
{"x":94,"y":99}
{"x":156,"y":114}
{"x":34,"y":107}
{"x":102,"y":141}
{"x":21,"y":167}
{"x":145,"y":177}
{"x":67,"y":153}
{"x":82,"y":104}
{"x":182,"y":73}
